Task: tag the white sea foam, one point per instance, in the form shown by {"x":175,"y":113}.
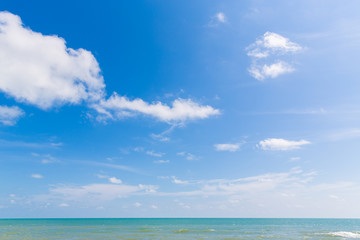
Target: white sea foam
{"x":345,"y":234}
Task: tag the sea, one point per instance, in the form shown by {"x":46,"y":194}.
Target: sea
{"x":179,"y":228}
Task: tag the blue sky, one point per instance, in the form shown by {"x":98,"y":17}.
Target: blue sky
{"x":179,"y":109}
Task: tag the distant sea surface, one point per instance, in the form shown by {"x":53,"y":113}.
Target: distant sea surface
{"x":182,"y":228}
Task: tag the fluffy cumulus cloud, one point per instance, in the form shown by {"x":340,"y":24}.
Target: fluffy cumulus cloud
{"x":115,"y":180}
{"x":230,"y":147}
{"x":40,"y":70}
{"x":272,"y":43}
{"x":180,"y":110}
{"x":263,"y":52}
{"x":270,"y":71}
{"x":10,"y":115}
{"x":279,"y":144}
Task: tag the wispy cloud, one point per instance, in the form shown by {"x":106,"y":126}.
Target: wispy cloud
{"x":161,"y":161}
{"x":10,"y":115}
{"x":37,"y":176}
{"x":160,"y":137}
{"x":155,"y":154}
{"x":109,"y":165}
{"x":95,"y":191}
{"x":93,"y":194}
{"x":255,"y":184}
{"x":344,"y":134}
{"x":178,"y":181}
{"x":46,"y":158}
{"x":294,"y":159}
{"x":217,"y":19}
{"x":163,"y":136}
{"x":309,"y":111}
{"x":230,"y":147}
{"x":23,"y":144}
{"x":279,"y":144}
{"x":188,"y":156}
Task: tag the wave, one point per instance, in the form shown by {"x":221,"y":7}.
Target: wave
{"x":344,"y":234}
{"x":185,"y":230}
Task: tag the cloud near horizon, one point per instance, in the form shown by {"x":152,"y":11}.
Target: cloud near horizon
{"x":41,"y":70}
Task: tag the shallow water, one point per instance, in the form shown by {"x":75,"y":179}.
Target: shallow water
{"x":214,"y":228}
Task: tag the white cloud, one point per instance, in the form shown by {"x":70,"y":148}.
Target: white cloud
{"x":10,"y":115}
{"x":95,"y":192}
{"x":115,"y":180}
{"x":154,"y":207}
{"x":254,"y":184}
{"x":137,"y":204}
{"x":46,"y":158}
{"x":63,"y":205}
{"x":272,"y":70}
{"x":231,"y":147}
{"x":178,"y":181}
{"x":217,"y":19}
{"x":40,"y":70}
{"x":181,"y":110}
{"x":270,"y":45}
{"x":109,"y":165}
{"x":155,"y":154}
{"x":138,"y":149}
{"x":38,"y":176}
{"x":160,"y":137}
{"x":188,"y":156}
{"x":220,"y":16}
{"x":101,"y":176}
{"x":161,"y":161}
{"x":148,"y":188}
{"x":294,"y":159}
{"x":279,"y":144}
{"x":344,"y":134}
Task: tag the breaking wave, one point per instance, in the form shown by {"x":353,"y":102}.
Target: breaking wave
{"x":344,"y":234}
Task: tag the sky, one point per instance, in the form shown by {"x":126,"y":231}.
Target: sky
{"x":179,"y":108}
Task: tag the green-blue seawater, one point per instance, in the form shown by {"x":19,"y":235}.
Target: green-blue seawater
{"x":184,"y":228}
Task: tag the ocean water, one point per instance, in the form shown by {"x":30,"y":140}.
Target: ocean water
{"x":163,"y":228}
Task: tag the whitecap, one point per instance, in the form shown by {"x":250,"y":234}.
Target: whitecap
{"x":345,"y":234}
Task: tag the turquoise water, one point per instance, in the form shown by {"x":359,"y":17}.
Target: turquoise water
{"x":215,"y":228}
